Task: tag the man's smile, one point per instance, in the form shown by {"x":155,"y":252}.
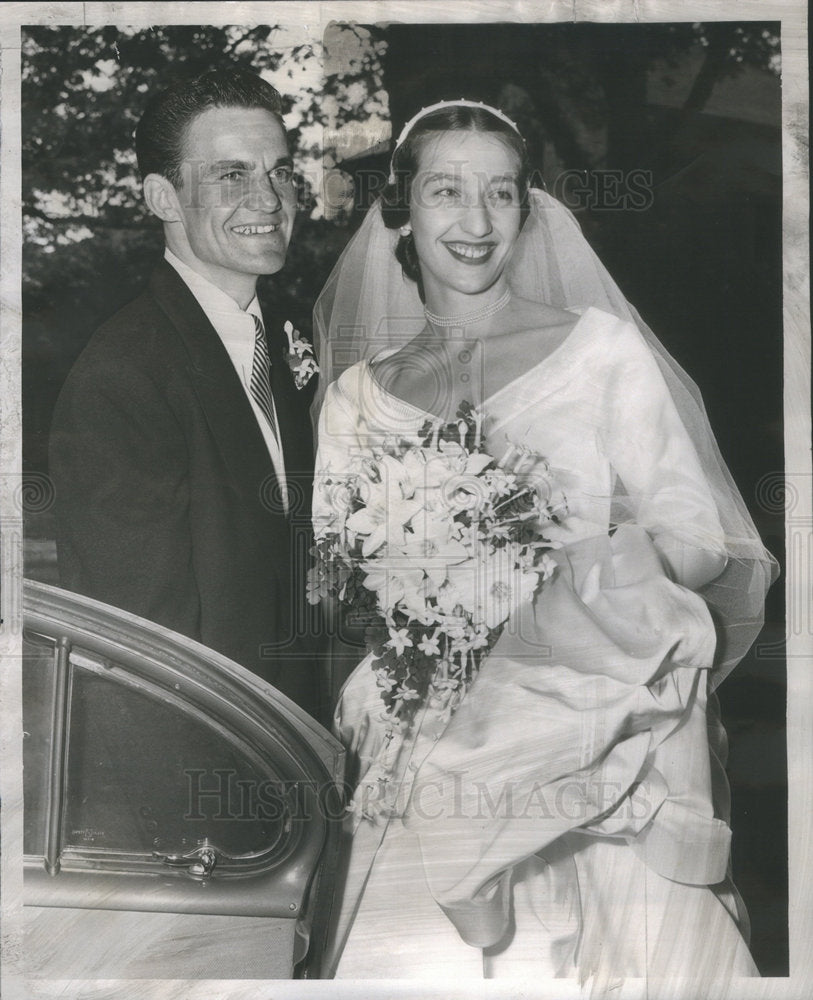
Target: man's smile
{"x":270,"y":227}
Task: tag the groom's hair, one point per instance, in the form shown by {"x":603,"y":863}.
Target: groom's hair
{"x":161,"y":133}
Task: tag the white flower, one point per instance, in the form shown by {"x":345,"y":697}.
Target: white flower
{"x":302,"y":347}
{"x":388,"y":588}
{"x":396,"y":725}
{"x":301,"y":359}
{"x":339,"y":496}
{"x":480,"y":638}
{"x":401,"y":584}
{"x":546,"y":567}
{"x":465,"y":492}
{"x":317,"y":586}
{"x":387,"y":492}
{"x":406,"y":693}
{"x":437,"y":470}
{"x":501,"y":482}
{"x":417,"y":603}
{"x":414,"y":463}
{"x":431,"y":546}
{"x":297,"y":344}
{"x":399,"y":640}
{"x":430,"y":645}
{"x":382,"y":522}
{"x":491,"y":586}
{"x":383,"y":679}
{"x":476,"y":463}
{"x":395,"y":476}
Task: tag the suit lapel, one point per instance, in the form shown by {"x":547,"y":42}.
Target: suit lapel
{"x":228,"y":412}
{"x":285,"y":403}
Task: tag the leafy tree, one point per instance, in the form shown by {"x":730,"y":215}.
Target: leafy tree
{"x":89,"y":241}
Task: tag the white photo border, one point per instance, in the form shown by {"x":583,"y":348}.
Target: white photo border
{"x":799,"y":479}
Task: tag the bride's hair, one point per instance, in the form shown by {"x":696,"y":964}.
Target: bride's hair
{"x":405,"y":163}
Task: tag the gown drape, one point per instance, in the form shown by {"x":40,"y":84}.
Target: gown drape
{"x":570,"y":818}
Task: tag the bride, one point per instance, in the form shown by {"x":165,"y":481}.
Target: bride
{"x":569,"y":818}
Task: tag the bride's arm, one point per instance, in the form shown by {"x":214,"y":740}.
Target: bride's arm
{"x":687,"y":565}
{"x":650,"y":449}
{"x":336,"y":442}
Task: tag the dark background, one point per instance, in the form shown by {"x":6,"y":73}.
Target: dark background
{"x":696,"y":106}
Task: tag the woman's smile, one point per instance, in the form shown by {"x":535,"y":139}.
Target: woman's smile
{"x":471,"y":253}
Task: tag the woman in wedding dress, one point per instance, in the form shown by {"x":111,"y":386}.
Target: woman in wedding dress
{"x":568,"y":819}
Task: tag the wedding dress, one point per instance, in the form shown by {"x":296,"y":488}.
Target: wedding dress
{"x":569,"y":819}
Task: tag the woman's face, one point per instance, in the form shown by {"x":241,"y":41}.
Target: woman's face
{"x":464,"y":213}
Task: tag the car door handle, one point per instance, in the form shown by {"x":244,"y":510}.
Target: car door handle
{"x":199,"y":863}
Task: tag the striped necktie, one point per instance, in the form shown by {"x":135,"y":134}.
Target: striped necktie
{"x":261,"y":376}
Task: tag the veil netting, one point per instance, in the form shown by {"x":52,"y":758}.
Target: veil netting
{"x":368,"y":305}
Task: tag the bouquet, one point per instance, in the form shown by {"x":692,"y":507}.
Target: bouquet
{"x":432,"y":544}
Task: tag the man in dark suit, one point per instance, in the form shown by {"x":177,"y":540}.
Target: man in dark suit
{"x":181,"y":449}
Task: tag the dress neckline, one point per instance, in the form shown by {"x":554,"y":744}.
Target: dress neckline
{"x":406,"y":407}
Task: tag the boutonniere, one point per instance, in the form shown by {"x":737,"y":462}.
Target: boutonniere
{"x":301,"y":359}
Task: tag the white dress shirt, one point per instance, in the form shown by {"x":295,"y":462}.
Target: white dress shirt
{"x":235,"y":327}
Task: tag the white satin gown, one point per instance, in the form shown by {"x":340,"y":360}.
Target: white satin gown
{"x":570,"y":819}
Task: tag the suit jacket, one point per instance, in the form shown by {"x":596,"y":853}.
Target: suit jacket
{"x":167,"y":501}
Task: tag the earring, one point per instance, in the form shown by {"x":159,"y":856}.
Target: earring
{"x":405,"y":230}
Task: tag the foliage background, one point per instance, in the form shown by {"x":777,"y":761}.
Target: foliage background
{"x":697,"y":106}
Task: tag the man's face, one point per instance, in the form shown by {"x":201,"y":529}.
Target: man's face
{"x":237,"y":198}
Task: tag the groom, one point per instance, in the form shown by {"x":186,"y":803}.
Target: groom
{"x":181,"y":450}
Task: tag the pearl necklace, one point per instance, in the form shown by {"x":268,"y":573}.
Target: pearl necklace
{"x":465,"y":319}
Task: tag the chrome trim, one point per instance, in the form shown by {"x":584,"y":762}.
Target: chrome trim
{"x":173,"y":892}
{"x":58,"y":759}
{"x":78,"y":857}
{"x":99,"y":627}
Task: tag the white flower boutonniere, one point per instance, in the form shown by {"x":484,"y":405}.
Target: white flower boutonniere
{"x":301,"y":359}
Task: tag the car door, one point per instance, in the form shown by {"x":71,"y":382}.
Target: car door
{"x":181,"y":816}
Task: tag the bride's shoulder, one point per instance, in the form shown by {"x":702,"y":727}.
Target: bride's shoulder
{"x":528,"y":314}
{"x":594,"y":323}
{"x":600,"y":340}
{"x":525,"y":314}
{"x":362,"y":380}
{"x":346,"y":388}
{"x":348,"y":381}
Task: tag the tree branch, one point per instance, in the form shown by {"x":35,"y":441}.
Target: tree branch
{"x":91,"y":221}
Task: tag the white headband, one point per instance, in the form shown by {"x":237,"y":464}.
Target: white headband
{"x":462,"y":103}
